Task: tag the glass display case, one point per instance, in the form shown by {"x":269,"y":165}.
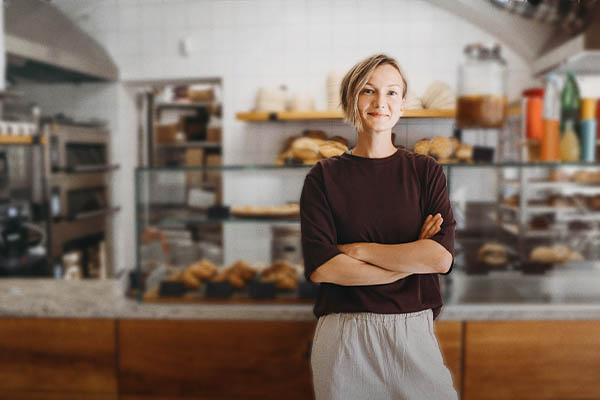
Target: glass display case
{"x":525,"y":233}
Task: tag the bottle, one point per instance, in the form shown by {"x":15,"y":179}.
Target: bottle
{"x":569,"y":143}
{"x":550,"y":122}
{"x":58,"y":271}
{"x":569,"y":102}
{"x":482,"y":88}
{"x":598,"y":135}
{"x":533,"y":104}
{"x":588,"y":130}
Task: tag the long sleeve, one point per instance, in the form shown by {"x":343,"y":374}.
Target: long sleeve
{"x":437,"y":201}
{"x":319,"y":237}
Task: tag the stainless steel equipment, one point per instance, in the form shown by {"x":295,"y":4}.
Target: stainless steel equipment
{"x":77,"y":171}
{"x":34,"y":52}
{"x":19,"y":254}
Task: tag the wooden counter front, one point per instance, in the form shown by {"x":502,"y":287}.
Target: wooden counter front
{"x":558,"y":360}
{"x":57,"y":359}
{"x":141,"y":359}
{"x":216,"y":359}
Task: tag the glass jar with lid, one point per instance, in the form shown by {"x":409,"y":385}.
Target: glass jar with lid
{"x":482,"y":90}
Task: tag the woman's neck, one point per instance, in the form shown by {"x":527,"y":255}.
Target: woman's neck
{"x":374,"y":145}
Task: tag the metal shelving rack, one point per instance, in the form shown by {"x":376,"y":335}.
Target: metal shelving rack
{"x":514,"y":220}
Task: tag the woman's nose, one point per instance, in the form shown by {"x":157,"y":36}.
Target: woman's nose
{"x":380,"y":101}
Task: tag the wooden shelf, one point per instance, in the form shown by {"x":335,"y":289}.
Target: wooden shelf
{"x":185,"y":104}
{"x":8,"y":139}
{"x":328,"y":114}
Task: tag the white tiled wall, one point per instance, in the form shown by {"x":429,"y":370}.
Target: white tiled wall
{"x":253,"y":43}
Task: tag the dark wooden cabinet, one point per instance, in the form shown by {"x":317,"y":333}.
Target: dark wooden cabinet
{"x":47,"y":358}
{"x":545,"y":360}
{"x":449,"y":337}
{"x":215,"y":359}
{"x":134,"y":359}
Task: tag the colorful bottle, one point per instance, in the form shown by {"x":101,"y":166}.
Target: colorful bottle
{"x":598,"y":136}
{"x":550,"y":123}
{"x":569,"y":102}
{"x":588,"y":130}
{"x":533,"y":105}
{"x":569,"y":143}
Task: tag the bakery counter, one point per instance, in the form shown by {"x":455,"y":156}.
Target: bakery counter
{"x":508,"y":295}
{"x":85,"y":340}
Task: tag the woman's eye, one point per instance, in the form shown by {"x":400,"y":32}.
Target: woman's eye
{"x":367,"y":91}
{"x":393,"y":93}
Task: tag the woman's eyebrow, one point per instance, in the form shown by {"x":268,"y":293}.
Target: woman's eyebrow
{"x":394,"y":84}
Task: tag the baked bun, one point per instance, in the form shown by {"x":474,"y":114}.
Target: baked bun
{"x":287,"y":145}
{"x":422,"y":146}
{"x":455,"y":143}
{"x":203,"y":269}
{"x":305,"y":148}
{"x":282,"y":273}
{"x":493,"y":254}
{"x":464,"y":152}
{"x":554,"y":254}
{"x":441,"y":147}
{"x":190,"y":280}
{"x":561,"y":253}
{"x":316,"y":134}
{"x":542,"y":254}
{"x":237,"y":274}
{"x":332,"y":148}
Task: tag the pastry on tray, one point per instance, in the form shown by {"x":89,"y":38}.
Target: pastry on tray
{"x":237,"y":274}
{"x":289,"y":210}
{"x":282,"y":273}
{"x":493,"y":255}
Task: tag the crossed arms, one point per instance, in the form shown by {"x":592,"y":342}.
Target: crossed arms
{"x":376,"y":264}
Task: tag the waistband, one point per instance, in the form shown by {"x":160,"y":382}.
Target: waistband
{"x":369,"y":316}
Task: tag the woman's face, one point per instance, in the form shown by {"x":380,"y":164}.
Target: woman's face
{"x":380,"y":102}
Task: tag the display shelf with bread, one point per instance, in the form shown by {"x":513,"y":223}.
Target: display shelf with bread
{"x":175,"y":213}
{"x":203,"y":281}
{"x":553,"y":209}
{"x":265,"y":116}
{"x":191,"y":217}
{"x":545,"y":209}
{"x":256,"y":116}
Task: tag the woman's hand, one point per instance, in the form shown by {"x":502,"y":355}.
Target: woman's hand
{"x":350,"y":249}
{"x":431,"y":226}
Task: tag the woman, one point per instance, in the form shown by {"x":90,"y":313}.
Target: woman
{"x":377,"y":230}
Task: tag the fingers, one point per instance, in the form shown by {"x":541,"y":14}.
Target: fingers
{"x":435,"y":229}
{"x":431,"y":226}
{"x":426,"y":226}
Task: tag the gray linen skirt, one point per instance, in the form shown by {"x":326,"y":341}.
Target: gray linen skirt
{"x":379,"y":356}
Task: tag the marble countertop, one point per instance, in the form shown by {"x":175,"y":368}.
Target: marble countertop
{"x":49,"y":298}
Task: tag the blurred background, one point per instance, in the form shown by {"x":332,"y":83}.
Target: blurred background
{"x":152,"y":154}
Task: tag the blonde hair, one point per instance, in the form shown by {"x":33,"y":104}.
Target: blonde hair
{"x":355,"y":80}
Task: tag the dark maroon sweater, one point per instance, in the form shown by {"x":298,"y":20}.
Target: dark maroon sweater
{"x":348,"y":199}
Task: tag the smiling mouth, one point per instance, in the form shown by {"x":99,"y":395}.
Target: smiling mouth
{"x":377,"y":115}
